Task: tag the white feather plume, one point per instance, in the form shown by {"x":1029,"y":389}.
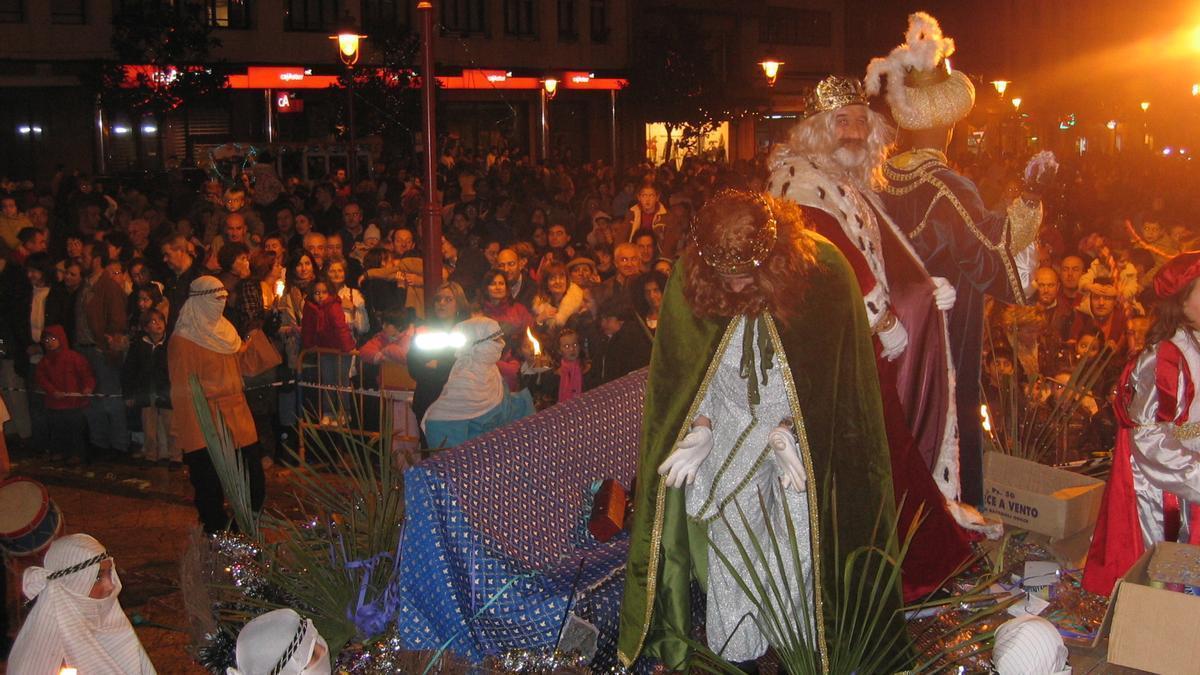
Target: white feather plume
{"x":924,"y":47}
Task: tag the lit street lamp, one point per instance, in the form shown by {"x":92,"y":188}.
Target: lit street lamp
{"x":348,"y":40}
{"x":1001,"y":86}
{"x":1146,"y":140}
{"x":1016,"y":103}
{"x":770,"y":68}
{"x":548,"y":91}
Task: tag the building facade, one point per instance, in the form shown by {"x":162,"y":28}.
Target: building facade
{"x":49,"y":115}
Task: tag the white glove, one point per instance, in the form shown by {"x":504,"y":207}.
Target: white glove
{"x":680,"y":468}
{"x":943,"y":293}
{"x":1026,"y":262}
{"x":894,"y":340}
{"x":787,"y":458}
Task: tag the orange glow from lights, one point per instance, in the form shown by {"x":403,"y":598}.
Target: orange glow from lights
{"x":771,"y":70}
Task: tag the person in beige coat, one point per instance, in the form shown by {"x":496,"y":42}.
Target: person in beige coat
{"x":206,"y":346}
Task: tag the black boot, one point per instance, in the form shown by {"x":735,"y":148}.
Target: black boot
{"x":748,"y":667}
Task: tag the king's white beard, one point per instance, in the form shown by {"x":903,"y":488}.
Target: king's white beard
{"x":851,"y":159}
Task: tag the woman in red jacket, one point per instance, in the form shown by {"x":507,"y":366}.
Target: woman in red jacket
{"x":67,"y":379}
{"x":323,"y":326}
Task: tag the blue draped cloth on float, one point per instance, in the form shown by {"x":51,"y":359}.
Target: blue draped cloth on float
{"x":453,"y":433}
{"x":496,"y":548}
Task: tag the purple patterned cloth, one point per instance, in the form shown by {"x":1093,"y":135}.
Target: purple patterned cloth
{"x":496,"y":529}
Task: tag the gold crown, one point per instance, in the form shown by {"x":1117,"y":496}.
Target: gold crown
{"x":833,"y":92}
{"x":730,"y":261}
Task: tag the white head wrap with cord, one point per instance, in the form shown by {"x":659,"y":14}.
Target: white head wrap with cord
{"x":68,"y":628}
{"x":279,"y":642}
{"x":202,"y":317}
{"x":1029,"y":645}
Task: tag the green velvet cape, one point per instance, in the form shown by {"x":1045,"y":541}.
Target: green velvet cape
{"x":834,"y":387}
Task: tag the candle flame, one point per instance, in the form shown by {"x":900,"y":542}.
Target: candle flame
{"x":987,"y":418}
{"x":67,"y":670}
{"x":537,"y":346}
{"x":279,"y":285}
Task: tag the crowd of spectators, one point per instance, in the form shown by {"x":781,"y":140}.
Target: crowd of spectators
{"x":1109,"y":228}
{"x":571,"y":261}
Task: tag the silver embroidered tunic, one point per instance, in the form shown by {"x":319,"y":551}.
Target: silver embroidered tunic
{"x":739,"y":468}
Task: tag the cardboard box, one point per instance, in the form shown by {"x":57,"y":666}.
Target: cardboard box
{"x":1153,"y":629}
{"x":1023,"y":494}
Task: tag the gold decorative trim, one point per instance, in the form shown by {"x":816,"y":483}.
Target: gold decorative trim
{"x":656,"y":531}
{"x":924,"y":176}
{"x":1187,"y":432}
{"x":814,"y":515}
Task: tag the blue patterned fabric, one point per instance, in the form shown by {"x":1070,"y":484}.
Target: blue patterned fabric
{"x":503,"y":519}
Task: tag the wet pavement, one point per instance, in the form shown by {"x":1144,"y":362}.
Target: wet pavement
{"x":143,"y":515}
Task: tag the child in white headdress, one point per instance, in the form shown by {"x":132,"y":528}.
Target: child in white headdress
{"x":281,"y":642}
{"x":1029,"y":645}
{"x":474,"y":400}
{"x":77,"y":620}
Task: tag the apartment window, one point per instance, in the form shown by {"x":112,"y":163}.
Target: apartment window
{"x":385,"y":13}
{"x":228,"y":13}
{"x":312,"y":15}
{"x":465,"y":17}
{"x":568,"y":29}
{"x":69,"y":12}
{"x":520,"y":18}
{"x":598,"y":15}
{"x":798,"y":27}
{"x":12,"y":11}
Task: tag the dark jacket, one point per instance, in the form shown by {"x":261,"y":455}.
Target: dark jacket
{"x":145,"y":379}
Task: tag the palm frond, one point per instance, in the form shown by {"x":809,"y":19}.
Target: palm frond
{"x":858,"y":602}
{"x":1033,"y":419}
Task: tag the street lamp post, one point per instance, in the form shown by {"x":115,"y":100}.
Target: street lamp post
{"x":431,"y":224}
{"x":348,"y":42}
{"x":548,"y":92}
{"x":1145,"y":106}
{"x":1001,"y":87}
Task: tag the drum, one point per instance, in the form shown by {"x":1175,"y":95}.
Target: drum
{"x":29,"y":519}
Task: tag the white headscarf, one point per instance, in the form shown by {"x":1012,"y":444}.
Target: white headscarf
{"x":279,"y":642}
{"x":474,"y":386}
{"x":1029,"y":645}
{"x":202,"y":318}
{"x":66,"y":627}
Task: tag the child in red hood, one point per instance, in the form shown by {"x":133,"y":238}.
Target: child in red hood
{"x":323,"y":326}
{"x":67,"y":379}
{"x":323,"y":323}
